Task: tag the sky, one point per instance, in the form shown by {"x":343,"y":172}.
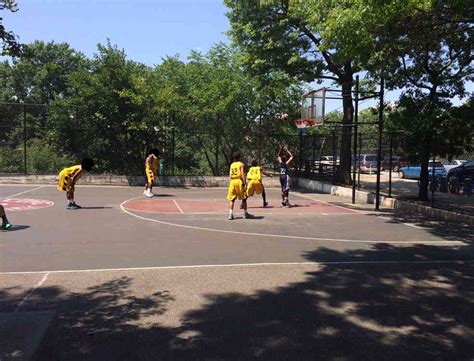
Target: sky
{"x":148,"y":30}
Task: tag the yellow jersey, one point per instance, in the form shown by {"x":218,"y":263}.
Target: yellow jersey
{"x":255,"y":173}
{"x":235,"y":170}
{"x":66,"y":177}
{"x":154,"y":163}
{"x":71,"y":171}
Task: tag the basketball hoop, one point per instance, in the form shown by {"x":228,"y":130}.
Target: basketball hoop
{"x":312,"y":109}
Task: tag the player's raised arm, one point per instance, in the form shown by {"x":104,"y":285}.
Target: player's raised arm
{"x":290,"y":156}
{"x":279,"y":153}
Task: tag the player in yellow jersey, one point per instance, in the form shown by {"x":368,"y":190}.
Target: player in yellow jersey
{"x":255,"y":185}
{"x":151,"y":170}
{"x":68,"y":178}
{"x":237,"y":186}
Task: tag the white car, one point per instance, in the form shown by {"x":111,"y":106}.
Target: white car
{"x":453,"y":164}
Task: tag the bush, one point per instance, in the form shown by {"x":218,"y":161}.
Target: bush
{"x":43,"y":159}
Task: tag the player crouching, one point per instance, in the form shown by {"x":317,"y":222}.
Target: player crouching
{"x":237,"y":186}
{"x":255,"y":184}
{"x":68,"y":178}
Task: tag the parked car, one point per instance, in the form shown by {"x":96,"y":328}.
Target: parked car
{"x":326,"y":160}
{"x":460,"y":176}
{"x":326,"y":163}
{"x":453,"y":164}
{"x":413,"y":171}
{"x":366,"y":163}
{"x":397,"y":163}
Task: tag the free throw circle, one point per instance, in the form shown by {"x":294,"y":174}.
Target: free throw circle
{"x":20,"y":204}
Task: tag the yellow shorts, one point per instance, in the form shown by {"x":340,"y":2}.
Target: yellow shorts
{"x":150,"y":176}
{"x":254,"y":186}
{"x":65,"y":182}
{"x":236,"y":190}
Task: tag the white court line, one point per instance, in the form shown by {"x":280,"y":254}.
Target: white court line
{"x":348,"y":210}
{"x":177,"y":206}
{"x":226,"y":211}
{"x":434,"y":243}
{"x":29,"y":190}
{"x":45,"y":277}
{"x":427,"y":229}
{"x":236,"y":265}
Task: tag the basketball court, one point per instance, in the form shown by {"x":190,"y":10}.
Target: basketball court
{"x":171,"y":277}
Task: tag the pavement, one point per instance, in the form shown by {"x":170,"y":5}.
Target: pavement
{"x":162,"y":279}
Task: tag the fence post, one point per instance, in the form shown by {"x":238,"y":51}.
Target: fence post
{"x":334,"y":156}
{"x":216,"y":167}
{"x":173,"y":146}
{"x":360,"y":152}
{"x":356,"y":119}
{"x":391,"y":166}
{"x":379,"y":150}
{"x":24,"y":140}
{"x":433,"y":174}
{"x":301,"y":151}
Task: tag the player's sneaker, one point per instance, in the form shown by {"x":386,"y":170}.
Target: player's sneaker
{"x":6,"y":225}
{"x":283,"y":203}
{"x":231,"y":217}
{"x":248,"y":215}
{"x":149,"y":194}
{"x":77,"y":205}
{"x":72,"y":206}
{"x":265,"y":204}
{"x":145,"y":191}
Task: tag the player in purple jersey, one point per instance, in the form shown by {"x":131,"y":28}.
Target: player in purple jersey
{"x":284,"y":161}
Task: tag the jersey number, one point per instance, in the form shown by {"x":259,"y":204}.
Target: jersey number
{"x":234,"y":171}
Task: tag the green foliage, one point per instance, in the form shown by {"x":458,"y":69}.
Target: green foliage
{"x":44,"y":159}
{"x":9,"y":41}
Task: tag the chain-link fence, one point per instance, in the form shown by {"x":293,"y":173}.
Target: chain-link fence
{"x":38,"y":139}
{"x":451,"y":184}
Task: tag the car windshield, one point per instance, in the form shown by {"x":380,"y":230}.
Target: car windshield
{"x":469,"y":164}
{"x":436,"y":164}
{"x":371,"y":158}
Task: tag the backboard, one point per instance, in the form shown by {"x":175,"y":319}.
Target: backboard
{"x":312,"y":109}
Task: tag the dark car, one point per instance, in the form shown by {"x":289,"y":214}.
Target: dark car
{"x":461,"y":178}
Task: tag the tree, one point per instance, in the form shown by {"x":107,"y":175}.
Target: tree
{"x":429,"y":53}
{"x":9,"y":41}
{"x":41,"y":74}
{"x":311,"y":40}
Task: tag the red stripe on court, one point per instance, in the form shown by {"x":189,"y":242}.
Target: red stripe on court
{"x":20,"y":204}
{"x":189,"y":206}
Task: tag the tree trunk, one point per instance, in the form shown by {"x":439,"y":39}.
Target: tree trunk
{"x":424,"y":178}
{"x":344,"y":170}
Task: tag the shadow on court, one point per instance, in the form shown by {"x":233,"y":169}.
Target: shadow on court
{"x":16,"y":227}
{"x":337,"y":312}
{"x":95,"y":207}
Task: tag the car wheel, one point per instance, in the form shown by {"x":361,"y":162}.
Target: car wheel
{"x":401,"y":174}
{"x":396,"y":168}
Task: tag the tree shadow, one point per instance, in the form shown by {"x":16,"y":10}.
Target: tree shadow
{"x":95,"y":207}
{"x":101,"y":322}
{"x":398,"y":311}
{"x":15,"y":227}
{"x":342,"y":312}
{"x":448,"y":230}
